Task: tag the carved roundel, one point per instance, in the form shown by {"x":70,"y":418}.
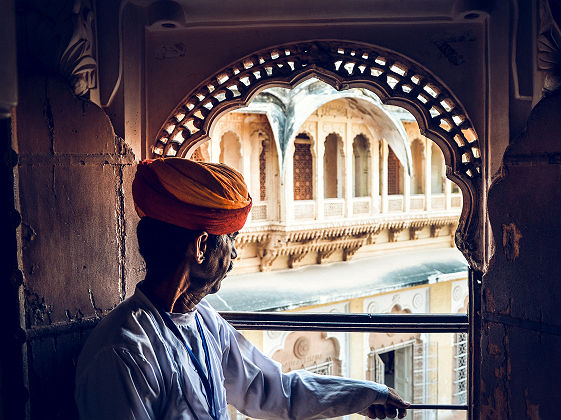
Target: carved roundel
{"x":301,"y":347}
{"x":394,"y":78}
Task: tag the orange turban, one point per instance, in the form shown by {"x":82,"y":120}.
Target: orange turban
{"x":193,"y":195}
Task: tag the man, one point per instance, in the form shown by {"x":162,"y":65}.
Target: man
{"x":164,"y":353}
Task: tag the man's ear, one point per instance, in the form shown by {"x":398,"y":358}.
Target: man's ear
{"x":200,"y":246}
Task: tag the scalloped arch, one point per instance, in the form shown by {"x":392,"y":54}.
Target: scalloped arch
{"x":396,"y":79}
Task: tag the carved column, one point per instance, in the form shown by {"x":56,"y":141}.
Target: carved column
{"x":248,"y":152}
{"x":406,"y":191}
{"x":349,"y":169}
{"x":428,"y":174}
{"x":384,"y":151}
{"x":287,"y":187}
{"x":448,"y":193}
{"x":375,"y":176}
{"x":319,"y":184}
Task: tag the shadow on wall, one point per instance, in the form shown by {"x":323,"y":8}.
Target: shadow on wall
{"x":79,"y":252}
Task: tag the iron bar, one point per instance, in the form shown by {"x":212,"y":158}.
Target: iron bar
{"x":428,"y":323}
{"x":437,"y":407}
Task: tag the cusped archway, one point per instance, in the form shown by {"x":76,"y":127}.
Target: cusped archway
{"x":396,"y":79}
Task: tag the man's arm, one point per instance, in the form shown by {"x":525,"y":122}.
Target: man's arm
{"x":117,"y":385}
{"x":256,"y":386}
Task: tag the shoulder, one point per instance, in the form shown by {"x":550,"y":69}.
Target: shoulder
{"x":131,"y":327}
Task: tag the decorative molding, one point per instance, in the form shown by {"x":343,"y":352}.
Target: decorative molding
{"x":78,"y":62}
{"x":296,"y":241}
{"x":394,"y":78}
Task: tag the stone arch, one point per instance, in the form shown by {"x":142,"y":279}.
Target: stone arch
{"x":396,"y":79}
{"x":437,"y":170}
{"x":230,"y":150}
{"x":418,"y":165}
{"x":382,"y":340}
{"x":307,"y":350}
{"x":263,"y":160}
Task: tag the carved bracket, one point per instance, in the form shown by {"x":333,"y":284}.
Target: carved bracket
{"x":78,"y":62}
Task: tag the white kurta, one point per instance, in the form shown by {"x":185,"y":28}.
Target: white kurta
{"x":134,"y":367}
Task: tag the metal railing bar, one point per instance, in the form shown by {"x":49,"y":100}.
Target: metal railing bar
{"x":436,"y":323}
{"x":438,"y":407}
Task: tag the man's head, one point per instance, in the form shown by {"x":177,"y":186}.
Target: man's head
{"x":167,"y":249}
{"x":190,"y":213}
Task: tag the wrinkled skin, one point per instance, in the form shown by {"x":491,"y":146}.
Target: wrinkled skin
{"x":395,"y":407}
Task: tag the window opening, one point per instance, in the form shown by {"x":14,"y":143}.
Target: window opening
{"x":303,"y":177}
{"x":333,"y":165}
{"x":307,"y":245}
{"x":395,"y":177}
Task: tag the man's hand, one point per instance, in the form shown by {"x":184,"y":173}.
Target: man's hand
{"x":394,"y":406}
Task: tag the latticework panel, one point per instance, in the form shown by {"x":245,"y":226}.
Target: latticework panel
{"x":339,"y":63}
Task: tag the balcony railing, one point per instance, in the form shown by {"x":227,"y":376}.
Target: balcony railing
{"x":389,"y":323}
{"x":304,"y":209}
{"x":259,"y":211}
{"x":361,"y":205}
{"x":417,"y":202}
{"x":438,"y":201}
{"x":334,"y":207}
{"x":395,"y":203}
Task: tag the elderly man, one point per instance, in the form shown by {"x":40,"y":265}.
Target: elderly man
{"x":164,"y":353}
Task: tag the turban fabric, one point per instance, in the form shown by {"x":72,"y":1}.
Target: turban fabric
{"x":193,"y":195}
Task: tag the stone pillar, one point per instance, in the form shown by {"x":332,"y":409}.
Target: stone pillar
{"x":521,"y":321}
{"x":349,"y":170}
{"x":287,"y":187}
{"x":428,"y":174}
{"x":248,"y":151}
{"x":406,"y":191}
{"x":384,"y":159}
{"x":448,"y":193}
{"x":319,"y":150}
{"x":214,"y":148}
{"x":375,"y":175}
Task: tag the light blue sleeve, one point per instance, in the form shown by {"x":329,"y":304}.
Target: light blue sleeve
{"x":117,"y":385}
{"x":256,"y":386}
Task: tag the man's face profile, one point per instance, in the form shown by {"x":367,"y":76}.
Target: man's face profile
{"x":217,"y":263}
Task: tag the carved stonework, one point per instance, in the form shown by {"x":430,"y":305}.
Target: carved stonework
{"x":414,"y":232}
{"x":78,"y":62}
{"x":295,"y":257}
{"x":435,"y":231}
{"x":324,"y":239}
{"x":309,"y":350}
{"x":393,"y":233}
{"x":323,"y":255}
{"x":349,"y":252}
{"x":549,"y":47}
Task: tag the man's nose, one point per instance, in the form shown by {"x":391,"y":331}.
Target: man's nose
{"x":234,"y":253}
